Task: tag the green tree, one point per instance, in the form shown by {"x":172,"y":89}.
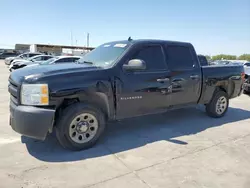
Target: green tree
{"x":224,"y":56}
{"x":244,"y":57}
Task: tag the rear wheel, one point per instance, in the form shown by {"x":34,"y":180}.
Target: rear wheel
{"x":80,"y":126}
{"x":218,"y":106}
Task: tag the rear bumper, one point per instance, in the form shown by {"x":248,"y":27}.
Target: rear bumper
{"x":31,"y":121}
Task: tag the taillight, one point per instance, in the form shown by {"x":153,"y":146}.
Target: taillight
{"x":243,"y":76}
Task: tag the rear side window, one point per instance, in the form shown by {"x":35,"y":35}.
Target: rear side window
{"x":153,"y":57}
{"x":179,"y":58}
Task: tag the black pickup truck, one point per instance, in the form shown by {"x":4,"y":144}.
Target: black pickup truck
{"x":116,"y":80}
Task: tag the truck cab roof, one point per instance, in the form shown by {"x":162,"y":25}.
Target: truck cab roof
{"x":145,"y":41}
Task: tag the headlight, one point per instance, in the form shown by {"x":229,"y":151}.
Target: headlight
{"x":35,"y":94}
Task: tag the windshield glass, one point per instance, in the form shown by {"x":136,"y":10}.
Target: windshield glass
{"x":105,"y":55}
{"x":34,"y":57}
{"x":49,"y":61}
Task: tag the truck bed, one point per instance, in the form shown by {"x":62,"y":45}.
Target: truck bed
{"x":227,"y":77}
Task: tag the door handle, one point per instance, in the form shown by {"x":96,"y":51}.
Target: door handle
{"x":178,"y":80}
{"x":162,"y":80}
{"x":194,"y":77}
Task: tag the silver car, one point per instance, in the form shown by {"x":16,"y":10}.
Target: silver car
{"x":19,"y":63}
{"x":61,"y":59}
{"x":21,"y":56}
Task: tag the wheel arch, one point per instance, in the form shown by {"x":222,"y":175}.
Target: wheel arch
{"x":96,"y":99}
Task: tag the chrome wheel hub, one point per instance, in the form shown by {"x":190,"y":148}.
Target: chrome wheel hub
{"x":83,"y":128}
{"x":221,"y":105}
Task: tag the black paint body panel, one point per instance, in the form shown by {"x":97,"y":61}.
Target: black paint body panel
{"x":124,"y":94}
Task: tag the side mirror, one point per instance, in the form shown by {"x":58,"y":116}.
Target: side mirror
{"x":135,"y":64}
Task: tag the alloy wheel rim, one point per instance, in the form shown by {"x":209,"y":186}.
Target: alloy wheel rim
{"x":83,"y":128}
{"x":221,"y":105}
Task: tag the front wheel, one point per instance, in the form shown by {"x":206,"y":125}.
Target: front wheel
{"x":218,"y":106}
{"x":80,"y":126}
{"x":246,"y":92}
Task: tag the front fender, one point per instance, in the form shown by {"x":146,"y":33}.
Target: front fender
{"x":99,"y":94}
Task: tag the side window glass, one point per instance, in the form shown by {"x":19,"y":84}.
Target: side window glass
{"x":75,"y":59}
{"x":38,"y":58}
{"x":179,"y":57}
{"x":60,"y":60}
{"x":153,"y":57}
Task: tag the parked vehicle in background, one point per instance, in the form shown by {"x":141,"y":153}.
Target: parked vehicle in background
{"x":61,"y":59}
{"x":19,"y":63}
{"x":221,"y":62}
{"x":247,"y":78}
{"x":9,"y":60}
{"x":247,"y":64}
{"x":5,"y":55}
{"x":116,"y":80}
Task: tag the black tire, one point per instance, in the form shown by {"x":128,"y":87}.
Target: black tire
{"x":211,"y":106}
{"x":63,"y":124}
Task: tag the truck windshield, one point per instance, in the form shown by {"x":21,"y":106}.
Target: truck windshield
{"x":105,"y":55}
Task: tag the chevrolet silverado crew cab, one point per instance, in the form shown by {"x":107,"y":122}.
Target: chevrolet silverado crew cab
{"x":116,"y":80}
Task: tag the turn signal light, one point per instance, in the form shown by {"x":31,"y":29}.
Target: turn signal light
{"x":243,"y":76}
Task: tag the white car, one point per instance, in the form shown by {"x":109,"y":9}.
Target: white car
{"x":19,"y":63}
{"x":35,"y":58}
{"x":61,"y":59}
{"x":54,"y":60}
{"x":21,"y":56}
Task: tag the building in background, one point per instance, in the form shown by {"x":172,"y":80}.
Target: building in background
{"x":59,"y":49}
{"x":22,"y":48}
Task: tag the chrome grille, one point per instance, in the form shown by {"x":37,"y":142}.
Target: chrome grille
{"x":13,"y":89}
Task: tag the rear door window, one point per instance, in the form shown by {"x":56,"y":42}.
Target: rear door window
{"x":46,"y":57}
{"x":179,"y":57}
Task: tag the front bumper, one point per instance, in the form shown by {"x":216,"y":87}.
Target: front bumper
{"x":7,"y":62}
{"x":31,"y":121}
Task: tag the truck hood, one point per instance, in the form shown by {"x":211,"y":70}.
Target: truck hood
{"x":36,"y":71}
